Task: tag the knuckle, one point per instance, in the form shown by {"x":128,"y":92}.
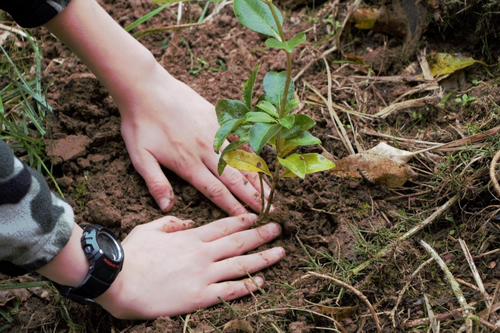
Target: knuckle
{"x":235,"y":178}
{"x":238,"y":244}
{"x":230,"y":290}
{"x":222,"y":228}
{"x":157,"y":187}
{"x":215,"y":189}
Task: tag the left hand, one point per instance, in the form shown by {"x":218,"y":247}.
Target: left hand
{"x":170,"y":271}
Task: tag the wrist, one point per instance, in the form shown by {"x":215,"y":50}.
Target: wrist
{"x":70,"y":266}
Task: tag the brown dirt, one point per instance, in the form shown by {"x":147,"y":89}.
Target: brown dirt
{"x":327,"y":221}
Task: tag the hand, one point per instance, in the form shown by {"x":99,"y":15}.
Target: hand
{"x":164,"y":121}
{"x":170,"y":271}
{"x":171,"y":125}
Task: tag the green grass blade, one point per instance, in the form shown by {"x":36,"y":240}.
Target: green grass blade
{"x":146,"y":17}
{"x":23,"y":285}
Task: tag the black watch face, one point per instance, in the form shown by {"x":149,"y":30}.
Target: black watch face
{"x":109,"y":246}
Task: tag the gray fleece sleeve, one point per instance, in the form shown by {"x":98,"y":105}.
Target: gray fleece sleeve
{"x":35,"y":223}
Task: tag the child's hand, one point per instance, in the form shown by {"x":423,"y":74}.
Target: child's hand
{"x":170,"y":271}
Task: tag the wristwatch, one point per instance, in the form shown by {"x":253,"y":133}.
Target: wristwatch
{"x":105,"y":256}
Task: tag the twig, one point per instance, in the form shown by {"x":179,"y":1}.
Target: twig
{"x":408,"y":234}
{"x":354,"y":291}
{"x":407,"y":285}
{"x":335,"y":118}
{"x":493,"y":176}
{"x":455,"y":287}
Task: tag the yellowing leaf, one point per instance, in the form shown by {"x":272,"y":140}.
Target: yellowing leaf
{"x":365,"y":18}
{"x":444,"y":63}
{"x":243,"y":160}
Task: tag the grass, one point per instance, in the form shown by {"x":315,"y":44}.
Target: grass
{"x":23,"y":107}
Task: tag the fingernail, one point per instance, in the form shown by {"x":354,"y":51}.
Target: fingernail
{"x":267,"y":192}
{"x":259,"y":281}
{"x":275,"y":228}
{"x":278,"y":251}
{"x":164,"y":203}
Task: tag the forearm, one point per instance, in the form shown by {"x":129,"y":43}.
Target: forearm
{"x":116,"y":58}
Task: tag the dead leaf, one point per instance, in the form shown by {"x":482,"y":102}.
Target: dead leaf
{"x":384,"y":164}
{"x":237,"y":326}
{"x":339,"y":312}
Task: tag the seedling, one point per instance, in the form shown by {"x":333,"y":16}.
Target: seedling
{"x":465,"y":99}
{"x":270,"y":120}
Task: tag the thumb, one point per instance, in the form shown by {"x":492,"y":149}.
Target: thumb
{"x":157,"y":182}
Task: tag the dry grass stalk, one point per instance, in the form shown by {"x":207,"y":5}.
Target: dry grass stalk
{"x":407,"y":285}
{"x":385,"y":112}
{"x":493,"y":175}
{"x":408,"y":234}
{"x":430,"y":314}
{"x":335,"y":322}
{"x":475,"y":273}
{"x":339,"y":126}
{"x":455,"y":287}
{"x":354,"y":291}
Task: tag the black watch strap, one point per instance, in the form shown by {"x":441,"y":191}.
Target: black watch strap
{"x":103,"y":268}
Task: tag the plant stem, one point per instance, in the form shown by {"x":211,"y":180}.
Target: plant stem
{"x":282,"y":109}
{"x":269,"y":3}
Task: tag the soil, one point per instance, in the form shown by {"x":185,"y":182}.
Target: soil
{"x":330,"y":224}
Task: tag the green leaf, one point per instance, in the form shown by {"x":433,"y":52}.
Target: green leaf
{"x":274,"y":88}
{"x":256,"y":15}
{"x":243,"y":160}
{"x":291,"y":105}
{"x":269,"y":108}
{"x":248,"y":88}
{"x":260,"y":134}
{"x":289,"y":45}
{"x":302,"y":123}
{"x":224,"y":131}
{"x":230,"y":147}
{"x":227,"y":109}
{"x":295,"y":164}
{"x":287,"y":121}
{"x":302,"y":139}
{"x":316,"y":162}
{"x":259,"y":117}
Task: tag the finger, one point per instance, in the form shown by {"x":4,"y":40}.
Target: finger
{"x":244,"y":241}
{"x":170,"y":224}
{"x":215,"y":190}
{"x":225,"y":227}
{"x":237,"y":183}
{"x":231,"y":290}
{"x":237,"y":267}
{"x":157,"y":183}
{"x":253,"y":178}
